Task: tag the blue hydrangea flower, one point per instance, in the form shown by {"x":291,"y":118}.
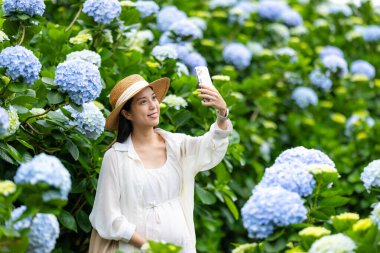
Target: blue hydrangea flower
{"x":80,"y":79}
{"x":321,"y":80}
{"x":213,"y":4}
{"x":288,"y":52}
{"x":181,"y":69}
{"x":182,"y":49}
{"x":147,"y":8}
{"x":241,"y":12}
{"x":271,"y":10}
{"x":199,"y":22}
{"x":357,"y":120}
{"x":14,"y":123}
{"x":44,"y":230}
{"x":238,"y":55}
{"x":103,"y":11}
{"x":86,"y":55}
{"x":45,"y":169}
{"x":194,"y":59}
{"x":343,"y":9}
{"x":296,"y":180}
{"x":370,"y":33}
{"x":4,"y":120}
{"x":90,"y":121}
{"x":164,"y":52}
{"x":291,"y":18}
{"x":331,"y":50}
{"x":371,"y":175}
{"x":335,"y":64}
{"x":363,"y":67}
{"x":30,"y":7}
{"x":270,"y":207}
{"x":375,"y":214}
{"x":185,"y":28}
{"x":20,"y":63}
{"x":300,"y":157}
{"x":333,"y":243}
{"x":304,"y":96}
{"x":168,"y":16}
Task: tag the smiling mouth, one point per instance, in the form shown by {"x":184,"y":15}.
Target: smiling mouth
{"x":153,"y":114}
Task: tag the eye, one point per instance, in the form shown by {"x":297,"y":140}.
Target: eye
{"x":143,"y":101}
{"x":154,"y":97}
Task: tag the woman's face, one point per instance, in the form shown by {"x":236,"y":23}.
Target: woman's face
{"x":145,"y":109}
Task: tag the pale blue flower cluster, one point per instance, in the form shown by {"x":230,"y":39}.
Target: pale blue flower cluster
{"x":270,"y":207}
{"x":44,"y":230}
{"x":288,"y":52}
{"x":80,"y":79}
{"x":30,"y":7}
{"x":213,"y":4}
{"x":90,"y":121}
{"x":20,"y":63}
{"x":291,"y":18}
{"x":296,"y":180}
{"x":147,"y":8}
{"x":301,"y":157}
{"x":86,"y":55}
{"x":356,"y":120}
{"x":194,"y":59}
{"x":364,"y":68}
{"x":279,"y":32}
{"x":186,"y":29}
{"x":293,"y":78}
{"x":320,"y":79}
{"x":370,"y":33}
{"x":164,"y":52}
{"x":271,"y":9}
{"x":4,"y":120}
{"x":371,"y":175}
{"x":333,"y":243}
{"x":340,"y":9}
{"x":241,"y":12}
{"x":168,"y":16}
{"x":335,"y":64}
{"x":238,"y":55}
{"x":199,"y":22}
{"x":331,"y":50}
{"x":182,"y":49}
{"x":181,"y":69}
{"x":375,"y":214}
{"x":45,"y":169}
{"x":304,"y":96}
{"x":103,"y":11}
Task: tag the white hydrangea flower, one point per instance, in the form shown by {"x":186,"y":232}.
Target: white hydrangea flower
{"x":338,"y":243}
{"x":3,"y":37}
{"x":175,"y":101}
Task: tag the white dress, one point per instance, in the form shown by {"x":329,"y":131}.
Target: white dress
{"x":163,"y":213}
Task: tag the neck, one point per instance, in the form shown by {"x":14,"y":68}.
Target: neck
{"x":143,"y":135}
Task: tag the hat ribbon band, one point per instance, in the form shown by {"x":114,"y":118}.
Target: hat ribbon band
{"x":132,"y":90}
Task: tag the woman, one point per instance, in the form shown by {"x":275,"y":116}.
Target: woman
{"x":146,"y":184}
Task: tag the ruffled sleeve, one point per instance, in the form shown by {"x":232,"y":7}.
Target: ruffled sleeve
{"x":106,"y":216}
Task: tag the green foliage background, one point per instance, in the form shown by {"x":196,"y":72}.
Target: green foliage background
{"x":259,"y":98}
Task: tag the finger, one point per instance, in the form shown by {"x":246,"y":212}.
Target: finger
{"x":209,"y":92}
{"x":207,"y":103}
{"x":206,"y":96}
{"x":207,"y":87}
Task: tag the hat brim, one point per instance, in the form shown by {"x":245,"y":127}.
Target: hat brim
{"x":160,"y":88}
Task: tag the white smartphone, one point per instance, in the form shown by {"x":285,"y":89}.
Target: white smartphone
{"x":203,"y":75}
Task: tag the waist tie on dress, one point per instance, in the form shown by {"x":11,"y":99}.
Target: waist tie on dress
{"x":154,"y":205}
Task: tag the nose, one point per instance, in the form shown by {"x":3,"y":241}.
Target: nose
{"x":152,"y":104}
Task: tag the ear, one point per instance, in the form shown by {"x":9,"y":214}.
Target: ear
{"x":126,"y":114}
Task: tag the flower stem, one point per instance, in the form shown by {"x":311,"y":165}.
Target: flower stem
{"x":75,"y":19}
{"x":22,"y":35}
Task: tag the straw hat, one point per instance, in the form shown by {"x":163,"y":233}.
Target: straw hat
{"x":126,"y":88}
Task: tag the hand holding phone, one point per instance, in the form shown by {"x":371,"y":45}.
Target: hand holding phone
{"x":203,"y":75}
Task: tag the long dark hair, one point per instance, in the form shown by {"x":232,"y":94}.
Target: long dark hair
{"x":125,"y":125}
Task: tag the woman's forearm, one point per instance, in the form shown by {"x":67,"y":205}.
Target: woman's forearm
{"x":137,"y":240}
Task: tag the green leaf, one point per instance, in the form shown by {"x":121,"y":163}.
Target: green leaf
{"x":73,"y":149}
{"x":55,"y":97}
{"x":25,"y":144}
{"x":18,"y":87}
{"x":206,"y":197}
{"x":22,"y":100}
{"x":83,"y":221}
{"x":333,"y":201}
{"x":14,"y":153}
{"x":6,"y":157}
{"x":48,"y":80}
{"x":67,"y":220}
{"x":231,"y":205}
